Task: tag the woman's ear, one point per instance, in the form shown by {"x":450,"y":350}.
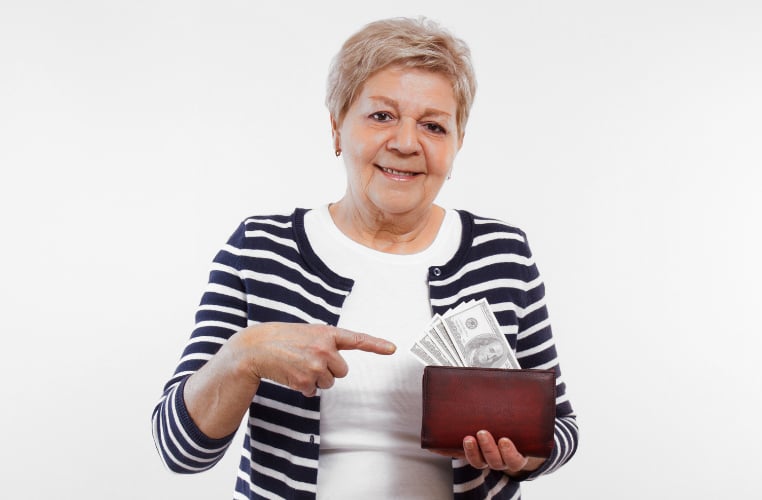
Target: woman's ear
{"x":335,"y":134}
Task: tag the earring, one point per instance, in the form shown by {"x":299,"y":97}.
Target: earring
{"x":338,"y":152}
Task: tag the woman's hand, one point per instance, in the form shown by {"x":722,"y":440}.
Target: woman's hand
{"x":482,"y":452}
{"x":304,"y":357}
{"x":301,"y":356}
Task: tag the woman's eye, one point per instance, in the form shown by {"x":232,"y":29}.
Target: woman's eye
{"x":381,"y":116}
{"x":436,"y":128}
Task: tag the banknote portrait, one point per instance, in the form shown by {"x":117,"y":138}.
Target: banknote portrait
{"x":486,"y":351}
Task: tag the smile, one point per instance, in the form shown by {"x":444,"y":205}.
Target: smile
{"x":391,"y":171}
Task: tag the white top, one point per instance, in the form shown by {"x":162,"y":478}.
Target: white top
{"x":370,"y":421}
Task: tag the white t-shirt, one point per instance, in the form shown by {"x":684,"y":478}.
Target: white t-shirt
{"x":370,"y":421}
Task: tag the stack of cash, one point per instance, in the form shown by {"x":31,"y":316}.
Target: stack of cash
{"x":467,"y":335}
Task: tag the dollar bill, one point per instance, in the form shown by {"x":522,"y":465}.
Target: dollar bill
{"x":437,"y":328}
{"x":435,"y":349}
{"x":477,"y":337}
{"x":468,"y":335}
{"x":422,"y":356}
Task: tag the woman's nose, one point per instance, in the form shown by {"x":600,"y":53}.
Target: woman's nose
{"x":405,"y":138}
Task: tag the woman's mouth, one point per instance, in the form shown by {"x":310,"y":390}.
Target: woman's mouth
{"x":397,"y":173}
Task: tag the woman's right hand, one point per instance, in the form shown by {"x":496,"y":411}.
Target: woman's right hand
{"x":301,"y":356}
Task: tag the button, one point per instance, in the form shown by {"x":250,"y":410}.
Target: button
{"x":436,"y":271}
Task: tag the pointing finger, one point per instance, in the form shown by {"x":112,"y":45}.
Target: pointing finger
{"x":346,"y":339}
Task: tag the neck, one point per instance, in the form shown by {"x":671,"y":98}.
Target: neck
{"x":390,"y":233}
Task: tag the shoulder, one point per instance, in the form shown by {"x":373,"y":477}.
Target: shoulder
{"x":257,"y":231}
{"x":485,"y":229}
{"x":272,"y":222}
{"x":492,"y":252}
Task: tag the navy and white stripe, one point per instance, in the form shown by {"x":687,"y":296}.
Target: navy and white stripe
{"x":495,"y":263}
{"x":268,"y":272}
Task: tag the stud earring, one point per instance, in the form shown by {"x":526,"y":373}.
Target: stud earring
{"x":338,"y":152}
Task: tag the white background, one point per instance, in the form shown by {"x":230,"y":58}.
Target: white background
{"x":624,"y":137}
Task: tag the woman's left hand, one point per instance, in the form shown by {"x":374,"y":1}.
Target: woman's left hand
{"x":482,"y":452}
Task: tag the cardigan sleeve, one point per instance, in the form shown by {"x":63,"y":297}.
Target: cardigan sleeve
{"x":496,"y":264}
{"x":535,"y":348}
{"x":181,"y":445}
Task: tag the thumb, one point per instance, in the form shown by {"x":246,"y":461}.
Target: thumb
{"x":347,"y":339}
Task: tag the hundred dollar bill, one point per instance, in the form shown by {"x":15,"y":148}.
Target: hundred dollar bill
{"x":437,"y":329}
{"x":477,"y":337}
{"x":431,"y":345}
{"x":438,"y":332}
{"x":422,"y":356}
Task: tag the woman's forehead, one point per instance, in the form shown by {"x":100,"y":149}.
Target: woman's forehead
{"x":406,"y":86}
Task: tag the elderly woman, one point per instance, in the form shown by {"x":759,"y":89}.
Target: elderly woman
{"x":297,"y":301}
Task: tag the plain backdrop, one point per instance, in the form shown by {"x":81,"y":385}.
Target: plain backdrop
{"x":624,"y":137}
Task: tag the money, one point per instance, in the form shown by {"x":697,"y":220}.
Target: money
{"x":468,"y":335}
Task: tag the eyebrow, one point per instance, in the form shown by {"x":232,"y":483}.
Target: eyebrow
{"x":394,"y":104}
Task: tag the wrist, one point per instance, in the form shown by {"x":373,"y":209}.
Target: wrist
{"x":243,"y":358}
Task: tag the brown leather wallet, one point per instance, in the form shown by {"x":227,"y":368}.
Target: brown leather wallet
{"x":517,"y":404}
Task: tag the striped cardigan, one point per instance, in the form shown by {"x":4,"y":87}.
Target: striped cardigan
{"x":268,"y":271}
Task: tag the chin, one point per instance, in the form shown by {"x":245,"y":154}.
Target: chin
{"x":401,"y":212}
{"x":395,"y":205}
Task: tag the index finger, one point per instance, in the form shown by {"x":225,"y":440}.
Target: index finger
{"x":346,"y":339}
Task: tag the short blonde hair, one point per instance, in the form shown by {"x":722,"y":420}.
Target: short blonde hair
{"x":414,"y":43}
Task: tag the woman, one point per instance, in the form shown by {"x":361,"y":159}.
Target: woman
{"x":297,"y":301}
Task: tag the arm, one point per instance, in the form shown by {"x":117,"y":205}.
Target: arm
{"x":224,"y":360}
{"x":301,"y":356}
{"x":535,"y":348}
{"x":182,"y":445}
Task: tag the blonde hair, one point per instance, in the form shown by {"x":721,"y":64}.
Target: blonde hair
{"x":413,"y":43}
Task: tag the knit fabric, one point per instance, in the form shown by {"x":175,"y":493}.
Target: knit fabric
{"x":268,"y":271}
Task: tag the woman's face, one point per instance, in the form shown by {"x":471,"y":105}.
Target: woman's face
{"x":399,"y":139}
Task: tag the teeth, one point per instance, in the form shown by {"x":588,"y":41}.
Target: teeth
{"x":395,"y":172}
